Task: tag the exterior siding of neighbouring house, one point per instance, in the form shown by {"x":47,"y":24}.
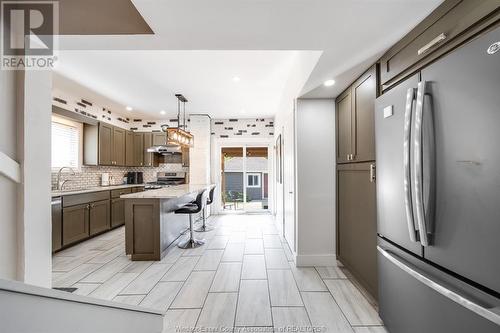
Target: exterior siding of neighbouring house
{"x":234,"y":182}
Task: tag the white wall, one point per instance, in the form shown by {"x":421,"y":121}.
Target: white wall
{"x":25,"y":228}
{"x":284,"y":124}
{"x":315,"y":156}
{"x":34,"y":229}
{"x":8,"y":189}
{"x":199,"y":154}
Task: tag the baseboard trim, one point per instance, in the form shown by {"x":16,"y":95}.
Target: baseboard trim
{"x":316,"y":260}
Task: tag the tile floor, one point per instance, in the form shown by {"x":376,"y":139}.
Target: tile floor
{"x":242,"y":280}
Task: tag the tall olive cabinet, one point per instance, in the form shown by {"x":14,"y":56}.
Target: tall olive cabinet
{"x":356,"y":204}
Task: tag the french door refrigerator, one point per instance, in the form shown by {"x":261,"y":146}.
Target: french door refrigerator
{"x":438,"y":194}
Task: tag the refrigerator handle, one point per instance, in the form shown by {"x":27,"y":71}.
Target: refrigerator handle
{"x":490,"y":313}
{"x":418,"y":178}
{"x":410,"y":97}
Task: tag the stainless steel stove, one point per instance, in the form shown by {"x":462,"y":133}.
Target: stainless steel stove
{"x":166,"y":179}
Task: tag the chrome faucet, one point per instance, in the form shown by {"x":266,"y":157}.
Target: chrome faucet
{"x":59,"y":184}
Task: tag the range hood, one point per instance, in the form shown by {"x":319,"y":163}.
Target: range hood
{"x":170,"y":149}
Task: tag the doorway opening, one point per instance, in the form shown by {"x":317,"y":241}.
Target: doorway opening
{"x":245,"y":179}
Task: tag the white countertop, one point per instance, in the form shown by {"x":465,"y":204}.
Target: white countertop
{"x":57,"y":193}
{"x":169,"y":192}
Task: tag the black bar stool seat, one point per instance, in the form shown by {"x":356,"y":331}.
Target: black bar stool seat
{"x":193,"y":208}
{"x":204,"y":227}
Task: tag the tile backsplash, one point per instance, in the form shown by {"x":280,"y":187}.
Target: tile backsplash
{"x":90,"y":176}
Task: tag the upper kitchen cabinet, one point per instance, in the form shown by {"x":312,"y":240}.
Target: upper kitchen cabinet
{"x":355,"y":120}
{"x":159,"y":139}
{"x":343,"y":109}
{"x":447,"y":27}
{"x":139,"y":149}
{"x":129,"y":148}
{"x":118,"y":145}
{"x":104,"y":144}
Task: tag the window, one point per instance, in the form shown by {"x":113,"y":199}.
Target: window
{"x":65,"y":143}
{"x":253,"y":180}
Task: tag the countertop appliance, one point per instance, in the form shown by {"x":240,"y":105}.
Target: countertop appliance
{"x":105,"y":179}
{"x":438,"y":194}
{"x":135,"y":177}
{"x":164,"y":179}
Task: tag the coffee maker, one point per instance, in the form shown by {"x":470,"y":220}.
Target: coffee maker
{"x":135,"y":177}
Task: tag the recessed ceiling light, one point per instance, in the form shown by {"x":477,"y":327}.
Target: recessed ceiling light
{"x":162,"y":112}
{"x":329,"y":83}
{"x":129,"y":108}
{"x":236,"y":79}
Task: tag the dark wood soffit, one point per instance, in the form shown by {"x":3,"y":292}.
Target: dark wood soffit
{"x":101,"y":17}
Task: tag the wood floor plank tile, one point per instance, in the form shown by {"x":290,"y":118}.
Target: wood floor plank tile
{"x":234,"y":252}
{"x":276,"y":259}
{"x":194,"y":290}
{"x":218,"y":243}
{"x":227,"y":277}
{"x":282,"y":288}
{"x":209,"y":261}
{"x":107,"y":271}
{"x":129,"y":299}
{"x":181,"y":269}
{"x":254,"y":308}
{"x":112,"y":287}
{"x":307,"y":278}
{"x":218,"y":311}
{"x":330,"y":272}
{"x":84,"y":289}
{"x":147,"y":279}
{"x":291,"y":317}
{"x":323,"y":311}
{"x":162,"y":295}
{"x":171,"y":255}
{"x":254,"y":246}
{"x":354,"y":305}
{"x":254,"y":267}
{"x":272,"y":242}
{"x":75,"y":275}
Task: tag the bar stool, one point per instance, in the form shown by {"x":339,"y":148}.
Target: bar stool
{"x":192,"y":208}
{"x":204,"y":227}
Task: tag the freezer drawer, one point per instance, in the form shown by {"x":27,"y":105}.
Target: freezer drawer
{"x":415,"y":297}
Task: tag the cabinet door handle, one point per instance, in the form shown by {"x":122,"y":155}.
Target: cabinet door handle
{"x":442,"y":36}
{"x":372,"y":173}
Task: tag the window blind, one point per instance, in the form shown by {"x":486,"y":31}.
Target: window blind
{"x":65,"y":143}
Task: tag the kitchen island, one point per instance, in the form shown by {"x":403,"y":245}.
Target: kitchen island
{"x":150,"y":222}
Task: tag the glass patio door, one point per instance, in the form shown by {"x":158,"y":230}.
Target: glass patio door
{"x":244,"y":179}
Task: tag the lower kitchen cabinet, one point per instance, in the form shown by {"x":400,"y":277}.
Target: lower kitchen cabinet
{"x":75,"y":224}
{"x":117,"y":212}
{"x":357,"y":222}
{"x":99,"y":217}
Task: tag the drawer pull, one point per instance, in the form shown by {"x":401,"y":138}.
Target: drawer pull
{"x":442,"y":36}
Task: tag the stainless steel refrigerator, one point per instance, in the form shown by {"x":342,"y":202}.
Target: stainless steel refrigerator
{"x":438,"y":194}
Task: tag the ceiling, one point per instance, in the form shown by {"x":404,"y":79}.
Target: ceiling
{"x":148,"y":80}
{"x":263,"y":36}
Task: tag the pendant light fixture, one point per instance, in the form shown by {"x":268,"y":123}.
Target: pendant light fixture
{"x":178,"y":135}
